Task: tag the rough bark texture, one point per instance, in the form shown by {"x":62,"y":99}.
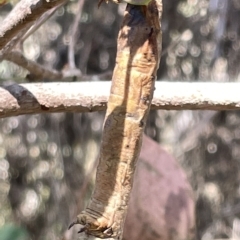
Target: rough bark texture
{"x":23,"y":16}
{"x":19,"y":99}
{"x":161,"y":204}
{"x":132,"y":88}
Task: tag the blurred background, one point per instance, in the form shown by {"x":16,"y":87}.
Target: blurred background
{"x":45,"y":158}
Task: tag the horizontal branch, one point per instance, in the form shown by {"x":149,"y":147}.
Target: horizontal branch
{"x":18,"y":99}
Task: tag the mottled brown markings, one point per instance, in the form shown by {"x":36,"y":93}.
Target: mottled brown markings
{"x":145,"y":100}
{"x":151,"y":32}
{"x":125,"y":120}
{"x":141,"y":124}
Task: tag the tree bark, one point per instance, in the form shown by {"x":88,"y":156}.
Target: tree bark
{"x":24,"y":14}
{"x":138,"y":57}
{"x":19,"y":99}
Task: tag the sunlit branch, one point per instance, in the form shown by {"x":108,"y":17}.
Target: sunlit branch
{"x":24,"y":14}
{"x":39,"y":22}
{"x":18,"y":99}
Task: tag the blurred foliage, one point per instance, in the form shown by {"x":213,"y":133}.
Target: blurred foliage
{"x":44,"y":159}
{"x":11,"y":232}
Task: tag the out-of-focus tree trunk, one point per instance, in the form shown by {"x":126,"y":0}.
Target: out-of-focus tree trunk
{"x":162,"y":205}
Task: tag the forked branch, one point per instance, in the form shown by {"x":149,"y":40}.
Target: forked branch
{"x":24,"y":14}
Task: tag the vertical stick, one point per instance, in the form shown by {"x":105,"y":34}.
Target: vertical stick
{"x":138,"y":56}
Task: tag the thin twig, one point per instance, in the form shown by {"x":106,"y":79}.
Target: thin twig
{"x":36,"y":70}
{"x":39,"y":72}
{"x":73,"y":35}
{"x":12,"y":44}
